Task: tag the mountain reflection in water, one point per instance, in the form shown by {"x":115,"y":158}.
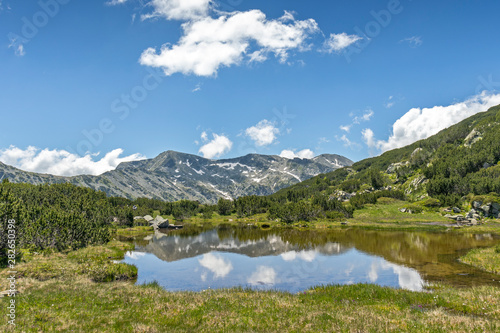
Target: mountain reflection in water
{"x":291,"y":260}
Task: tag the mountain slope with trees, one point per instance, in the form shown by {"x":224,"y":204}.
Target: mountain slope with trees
{"x":460,"y":161}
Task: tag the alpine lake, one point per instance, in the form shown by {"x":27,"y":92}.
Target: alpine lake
{"x":199,"y":258}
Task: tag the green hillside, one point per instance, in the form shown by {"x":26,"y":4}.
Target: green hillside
{"x":458,"y":161}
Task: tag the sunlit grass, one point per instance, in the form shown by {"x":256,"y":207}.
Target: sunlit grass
{"x":84,"y":306}
{"x":486,"y":259}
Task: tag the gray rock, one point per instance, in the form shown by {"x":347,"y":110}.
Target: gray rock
{"x":477,"y":204}
{"x":456,"y":210}
{"x":472,"y":222}
{"x":402,"y":210}
{"x":159,"y":223}
{"x":395,"y":166}
{"x":496,"y":206}
{"x":148,"y":218}
{"x":486,"y":165}
{"x":485,"y":209}
{"x":473,"y":137}
{"x":415,"y":152}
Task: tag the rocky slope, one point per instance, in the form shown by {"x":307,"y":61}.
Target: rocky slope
{"x":173,"y":176}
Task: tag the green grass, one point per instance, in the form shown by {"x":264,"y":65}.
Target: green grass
{"x":64,"y":292}
{"x":387,"y":211}
{"x":84,"y":306}
{"x":384,"y":215}
{"x":96,"y":263}
{"x":133,"y":231}
{"x":486,"y":259}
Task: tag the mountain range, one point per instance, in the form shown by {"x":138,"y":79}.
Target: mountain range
{"x":173,"y":176}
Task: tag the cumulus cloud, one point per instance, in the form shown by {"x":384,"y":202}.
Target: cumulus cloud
{"x":291,"y":154}
{"x":338,"y":42}
{"x":62,"y":163}
{"x":264,"y":133}
{"x":418,"y":124}
{"x":216,"y":264}
{"x":178,"y":9}
{"x":210,"y":43}
{"x":263,"y":276}
{"x":219,"y":146}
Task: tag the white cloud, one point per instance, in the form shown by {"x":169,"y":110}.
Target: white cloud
{"x":408,"y":278}
{"x":290,"y":154}
{"x":115,"y":2}
{"x":263,"y":275}
{"x":219,"y":146}
{"x":418,"y":124}
{"x":197,"y":88}
{"x":390,"y":102}
{"x":347,"y":143}
{"x":368,"y":137}
{"x":210,"y":43}
{"x":414,"y":41}
{"x":18,"y":47}
{"x":134,"y":255}
{"x":365,"y":117}
{"x":204,"y":136}
{"x":216,"y":264}
{"x":63,"y":163}
{"x":264,"y":133}
{"x":338,"y":42}
{"x":308,"y":256}
{"x":356,"y":120}
{"x":346,"y":128}
{"x":178,"y":9}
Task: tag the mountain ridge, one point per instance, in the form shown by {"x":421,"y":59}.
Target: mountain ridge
{"x":173,"y":176}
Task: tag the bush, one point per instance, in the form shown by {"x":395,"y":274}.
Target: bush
{"x":415,"y":209}
{"x":431,"y":203}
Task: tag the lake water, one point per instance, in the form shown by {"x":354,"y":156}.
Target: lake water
{"x":291,"y":260}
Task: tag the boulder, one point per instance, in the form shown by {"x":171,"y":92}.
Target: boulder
{"x":496,"y":206}
{"x":473,"y":137}
{"x":473,"y":222}
{"x":455,"y":217}
{"x":395,"y":166}
{"x":486,"y":210}
{"x":159,"y":223}
{"x":415,"y":152}
{"x":456,"y":210}
{"x":477,"y":204}
{"x":402,"y":210}
{"x":486,"y":165}
{"x":148,"y":218}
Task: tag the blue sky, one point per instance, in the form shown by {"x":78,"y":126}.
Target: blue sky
{"x":85,"y":85}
